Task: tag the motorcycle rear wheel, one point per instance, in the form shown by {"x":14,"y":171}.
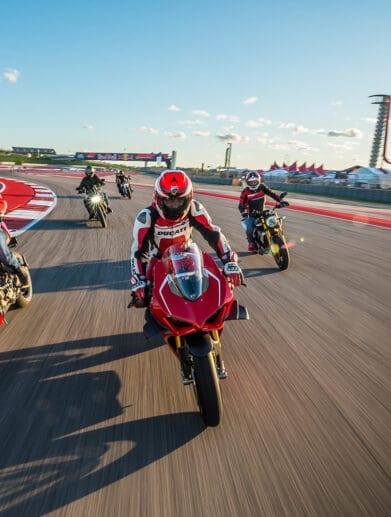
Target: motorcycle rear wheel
{"x":207,"y":389}
{"x":281,"y":258}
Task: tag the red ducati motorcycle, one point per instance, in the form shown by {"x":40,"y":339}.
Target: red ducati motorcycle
{"x":189,"y":304}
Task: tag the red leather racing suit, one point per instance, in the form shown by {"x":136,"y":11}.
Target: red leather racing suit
{"x":153,"y":234}
{"x":255,"y":199}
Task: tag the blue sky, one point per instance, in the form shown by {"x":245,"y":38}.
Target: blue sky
{"x":275,"y":78}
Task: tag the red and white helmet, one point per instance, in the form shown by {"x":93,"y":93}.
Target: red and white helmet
{"x":173,"y":194}
{"x":253,"y":180}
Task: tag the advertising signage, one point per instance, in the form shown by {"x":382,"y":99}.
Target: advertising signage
{"x":126,"y":157}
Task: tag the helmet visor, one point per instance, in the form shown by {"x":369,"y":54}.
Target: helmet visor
{"x":253,"y":182}
{"x":174,"y":207}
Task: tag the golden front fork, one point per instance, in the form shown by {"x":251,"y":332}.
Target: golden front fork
{"x":178,"y":342}
{"x":215,"y":335}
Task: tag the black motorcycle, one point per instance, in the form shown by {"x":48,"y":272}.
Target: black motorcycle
{"x":96,"y":205}
{"x":12,"y":292}
{"x":268,"y":234}
{"x":125,"y":189}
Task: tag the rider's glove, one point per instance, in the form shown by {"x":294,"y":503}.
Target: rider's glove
{"x":283,"y":203}
{"x":230,"y":256}
{"x":137,"y":286}
{"x":233,"y":273}
{"x":244,"y":215}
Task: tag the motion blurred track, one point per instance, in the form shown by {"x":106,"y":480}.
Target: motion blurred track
{"x":94,"y":421}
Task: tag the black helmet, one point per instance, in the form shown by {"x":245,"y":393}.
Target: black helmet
{"x":90,"y":171}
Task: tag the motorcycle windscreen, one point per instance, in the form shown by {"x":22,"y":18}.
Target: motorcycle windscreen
{"x":185,"y":269}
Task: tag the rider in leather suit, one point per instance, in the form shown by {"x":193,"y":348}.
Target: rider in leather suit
{"x":89,"y":181}
{"x":170,"y":219}
{"x":6,"y":255}
{"x":253,"y":198}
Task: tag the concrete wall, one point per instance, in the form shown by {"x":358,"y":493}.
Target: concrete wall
{"x":361,"y":194}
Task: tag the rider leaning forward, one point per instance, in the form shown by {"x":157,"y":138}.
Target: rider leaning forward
{"x":170,"y":219}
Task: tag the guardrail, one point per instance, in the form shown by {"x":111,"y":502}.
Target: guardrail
{"x":358,"y":194}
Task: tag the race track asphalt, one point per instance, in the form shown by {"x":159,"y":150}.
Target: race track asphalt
{"x":95,"y":421}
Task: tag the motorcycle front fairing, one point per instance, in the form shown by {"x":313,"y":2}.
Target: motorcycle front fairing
{"x":190,"y":293}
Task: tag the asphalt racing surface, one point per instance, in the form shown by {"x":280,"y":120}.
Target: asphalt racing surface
{"x":95,"y":421}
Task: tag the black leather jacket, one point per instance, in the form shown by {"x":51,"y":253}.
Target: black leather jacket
{"x":90,"y":181}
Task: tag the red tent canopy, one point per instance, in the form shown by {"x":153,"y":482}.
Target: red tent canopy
{"x":303,"y":167}
{"x":293,"y":167}
{"x":320,"y":169}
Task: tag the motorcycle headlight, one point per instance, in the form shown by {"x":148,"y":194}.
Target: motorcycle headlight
{"x":95,"y":199}
{"x":271,"y":221}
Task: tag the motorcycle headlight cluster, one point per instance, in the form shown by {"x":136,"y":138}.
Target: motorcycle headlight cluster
{"x":272,"y":221}
{"x":95,"y":199}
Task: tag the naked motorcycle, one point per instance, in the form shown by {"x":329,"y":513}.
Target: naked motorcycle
{"x":268,"y":234}
{"x":190,"y":302}
{"x":96,"y":204}
{"x":11,"y":290}
{"x":125,"y":189}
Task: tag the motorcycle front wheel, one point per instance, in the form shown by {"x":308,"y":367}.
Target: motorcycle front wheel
{"x":26,"y":294}
{"x":280,"y":252}
{"x":207,"y":389}
{"x":101,"y":216}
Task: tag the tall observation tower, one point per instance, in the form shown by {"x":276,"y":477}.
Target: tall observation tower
{"x":379,"y":143}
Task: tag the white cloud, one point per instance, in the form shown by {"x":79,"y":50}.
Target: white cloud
{"x":370,"y":120}
{"x":336,"y":103}
{"x":342,"y":147}
{"x":263,"y":139}
{"x":180,"y":135}
{"x":348,"y":133}
{"x":173,"y":107}
{"x":300,"y":129}
{"x":150,"y":130}
{"x":203,"y":134}
{"x":301,"y":146}
{"x":201,"y":113}
{"x":230,"y":118}
{"x":296,"y":128}
{"x":232,"y":137}
{"x":279,"y":147}
{"x":250,"y":100}
{"x":286,"y":125}
{"x":88,"y":126}
{"x":258,"y":123}
{"x":11,"y":75}
{"x":192,"y":122}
